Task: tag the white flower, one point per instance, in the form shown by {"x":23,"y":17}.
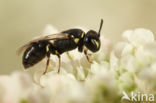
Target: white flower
{"x":126,"y":82}
{"x":129,"y":66}
{"x":101,"y":87}
{"x":138,"y":36}
{"x":63,"y":87}
{"x":133,"y":60}
{"x":15,"y":88}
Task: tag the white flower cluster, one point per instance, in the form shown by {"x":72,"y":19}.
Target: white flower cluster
{"x":134,"y":61}
{"x":128,"y":66}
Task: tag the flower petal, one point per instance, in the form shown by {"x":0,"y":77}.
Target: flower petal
{"x":138,"y":36}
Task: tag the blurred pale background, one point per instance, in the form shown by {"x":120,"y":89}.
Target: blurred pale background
{"x":21,"y":20}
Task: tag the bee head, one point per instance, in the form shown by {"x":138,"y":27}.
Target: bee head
{"x":92,"y":39}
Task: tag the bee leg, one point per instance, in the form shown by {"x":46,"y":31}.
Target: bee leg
{"x":87,"y":56}
{"x":48,"y":59}
{"x":59,"y":57}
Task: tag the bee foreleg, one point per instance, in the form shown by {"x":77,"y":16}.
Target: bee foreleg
{"x":87,"y":56}
{"x":59,"y":57}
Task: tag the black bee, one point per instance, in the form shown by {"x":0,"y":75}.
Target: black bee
{"x":59,"y":43}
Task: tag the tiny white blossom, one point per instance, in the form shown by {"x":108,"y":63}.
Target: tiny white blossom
{"x":133,"y":60}
{"x":15,"y":87}
{"x":138,"y":36}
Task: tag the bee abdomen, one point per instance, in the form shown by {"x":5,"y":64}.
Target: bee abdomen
{"x":34,"y":54}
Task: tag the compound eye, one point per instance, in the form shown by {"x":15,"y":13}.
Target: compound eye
{"x":96,"y":43}
{"x":93,"y":44}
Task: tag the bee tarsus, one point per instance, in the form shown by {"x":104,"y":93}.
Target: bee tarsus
{"x":87,"y":56}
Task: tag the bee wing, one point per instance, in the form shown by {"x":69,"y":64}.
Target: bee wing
{"x":52,"y":37}
{"x":57,"y":36}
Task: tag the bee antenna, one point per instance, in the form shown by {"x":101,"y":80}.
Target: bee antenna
{"x":101,"y":24}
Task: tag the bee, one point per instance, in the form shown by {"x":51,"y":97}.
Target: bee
{"x":57,"y":44}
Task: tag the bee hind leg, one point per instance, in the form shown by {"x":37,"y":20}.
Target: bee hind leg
{"x":59,"y":57}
